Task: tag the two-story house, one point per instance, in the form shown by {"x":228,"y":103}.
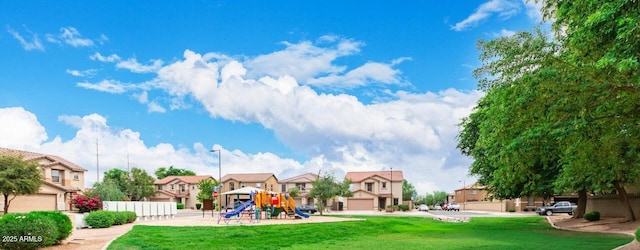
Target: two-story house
{"x":180,"y":189}
{"x":266,"y":181}
{"x":60,"y":180}
{"x":304,"y":183}
{"x":374,"y":190}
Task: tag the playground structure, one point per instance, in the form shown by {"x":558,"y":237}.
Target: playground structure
{"x":263,"y":202}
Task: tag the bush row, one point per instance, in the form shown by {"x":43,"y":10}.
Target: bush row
{"x":638,"y":234}
{"x":592,"y":216}
{"x":34,"y":230}
{"x":103,"y":219}
{"x":180,"y":205}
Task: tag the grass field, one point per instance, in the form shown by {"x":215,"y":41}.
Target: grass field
{"x":376,"y":232}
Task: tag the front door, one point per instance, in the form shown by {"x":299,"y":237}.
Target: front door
{"x":382,"y":203}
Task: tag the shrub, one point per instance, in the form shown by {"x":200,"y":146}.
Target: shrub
{"x":62,"y":222}
{"x":638,"y":234}
{"x":84,"y":203}
{"x":99,"y":219}
{"x":592,"y":216}
{"x":27,"y":231}
{"x":511,"y":210}
{"x":120,"y":218}
{"x":526,"y":209}
{"x":404,"y":207}
{"x":198,"y":206}
{"x":180,"y":206}
{"x":131,"y":216}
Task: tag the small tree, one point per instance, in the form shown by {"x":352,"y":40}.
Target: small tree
{"x":206,"y":189}
{"x":407,"y":190}
{"x":17,"y":177}
{"x":326,"y":187}
{"x":294,"y":192}
{"x":108,"y":190}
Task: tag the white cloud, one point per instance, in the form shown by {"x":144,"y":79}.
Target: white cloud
{"x":134,"y":66}
{"x":87,"y":73}
{"x":504,"y":33}
{"x":154,"y":107}
{"x":414,"y":132}
{"x":34,"y":44}
{"x":20,"y":129}
{"x":101,"y":58}
{"x":503,"y":8}
{"x":72,"y":36}
{"x":109,"y":86}
{"x":534,"y":9}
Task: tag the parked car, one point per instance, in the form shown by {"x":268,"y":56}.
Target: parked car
{"x":453,"y":207}
{"x":558,"y":207}
{"x":307,"y":209}
{"x":423,"y":207}
{"x":437,"y":207}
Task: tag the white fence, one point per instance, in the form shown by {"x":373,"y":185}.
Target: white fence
{"x":144,"y":210}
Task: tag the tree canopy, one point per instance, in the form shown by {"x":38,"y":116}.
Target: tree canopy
{"x":560,"y":114}
{"x":326,"y":187}
{"x":17,"y":177}
{"x":136,"y":185}
{"x":171,"y":171}
{"x":408,"y":190}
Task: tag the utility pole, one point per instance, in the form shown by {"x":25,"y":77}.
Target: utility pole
{"x":97,"y":163}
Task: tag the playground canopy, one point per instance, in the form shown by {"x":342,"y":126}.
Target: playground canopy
{"x":246,"y":190}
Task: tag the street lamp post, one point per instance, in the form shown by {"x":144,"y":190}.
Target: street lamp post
{"x":219,"y":179}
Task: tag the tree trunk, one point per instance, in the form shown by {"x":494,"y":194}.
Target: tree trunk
{"x":6,"y":203}
{"x":582,"y":204}
{"x":624,"y":201}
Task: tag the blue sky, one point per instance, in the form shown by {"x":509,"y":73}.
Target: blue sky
{"x":279,"y":87}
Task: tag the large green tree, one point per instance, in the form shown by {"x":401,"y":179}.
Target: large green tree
{"x":141,"y":185}
{"x":561,"y":112}
{"x":120,"y":178}
{"x":17,"y":177}
{"x":327,"y":187}
{"x":108,"y":190}
{"x":171,"y":171}
{"x":206,"y":189}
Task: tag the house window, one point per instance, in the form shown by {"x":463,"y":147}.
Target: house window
{"x":395,"y":201}
{"x":182,"y":188}
{"x":283,"y":187}
{"x":159,"y":187}
{"x":241,"y":184}
{"x":271,"y":187}
{"x":473,"y":191}
{"x":232,"y":186}
{"x":55,"y":175}
{"x":193,"y":187}
{"x":301,"y":186}
{"x":384,"y":185}
{"x":369,"y":186}
{"x":258,"y":185}
{"x":75,"y":176}
{"x":172,"y":187}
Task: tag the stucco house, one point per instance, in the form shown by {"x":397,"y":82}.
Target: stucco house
{"x":266,"y":181}
{"x":304,"y":183}
{"x":180,"y":189}
{"x":61,"y":180}
{"x":374,"y":190}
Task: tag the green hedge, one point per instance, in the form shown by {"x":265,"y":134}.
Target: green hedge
{"x":100,"y":219}
{"x":120,"y":218}
{"x":62,"y":222}
{"x":131,"y":216}
{"x":638,"y":234}
{"x":180,"y":205}
{"x":592,"y":216}
{"x":404,"y":207}
{"x":27,"y":231}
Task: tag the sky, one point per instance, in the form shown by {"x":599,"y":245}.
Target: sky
{"x":277,"y":86}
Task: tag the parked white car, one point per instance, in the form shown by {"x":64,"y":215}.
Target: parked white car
{"x":423,"y":207}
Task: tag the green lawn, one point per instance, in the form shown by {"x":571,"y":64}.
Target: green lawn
{"x":376,"y":232}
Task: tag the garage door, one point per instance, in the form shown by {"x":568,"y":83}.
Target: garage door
{"x":36,"y":202}
{"x":360,"y":204}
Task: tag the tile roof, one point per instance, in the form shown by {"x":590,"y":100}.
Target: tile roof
{"x":360,"y":176}
{"x":187,"y":179}
{"x":33,"y":156}
{"x":257,"y":177}
{"x":308,"y":177}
